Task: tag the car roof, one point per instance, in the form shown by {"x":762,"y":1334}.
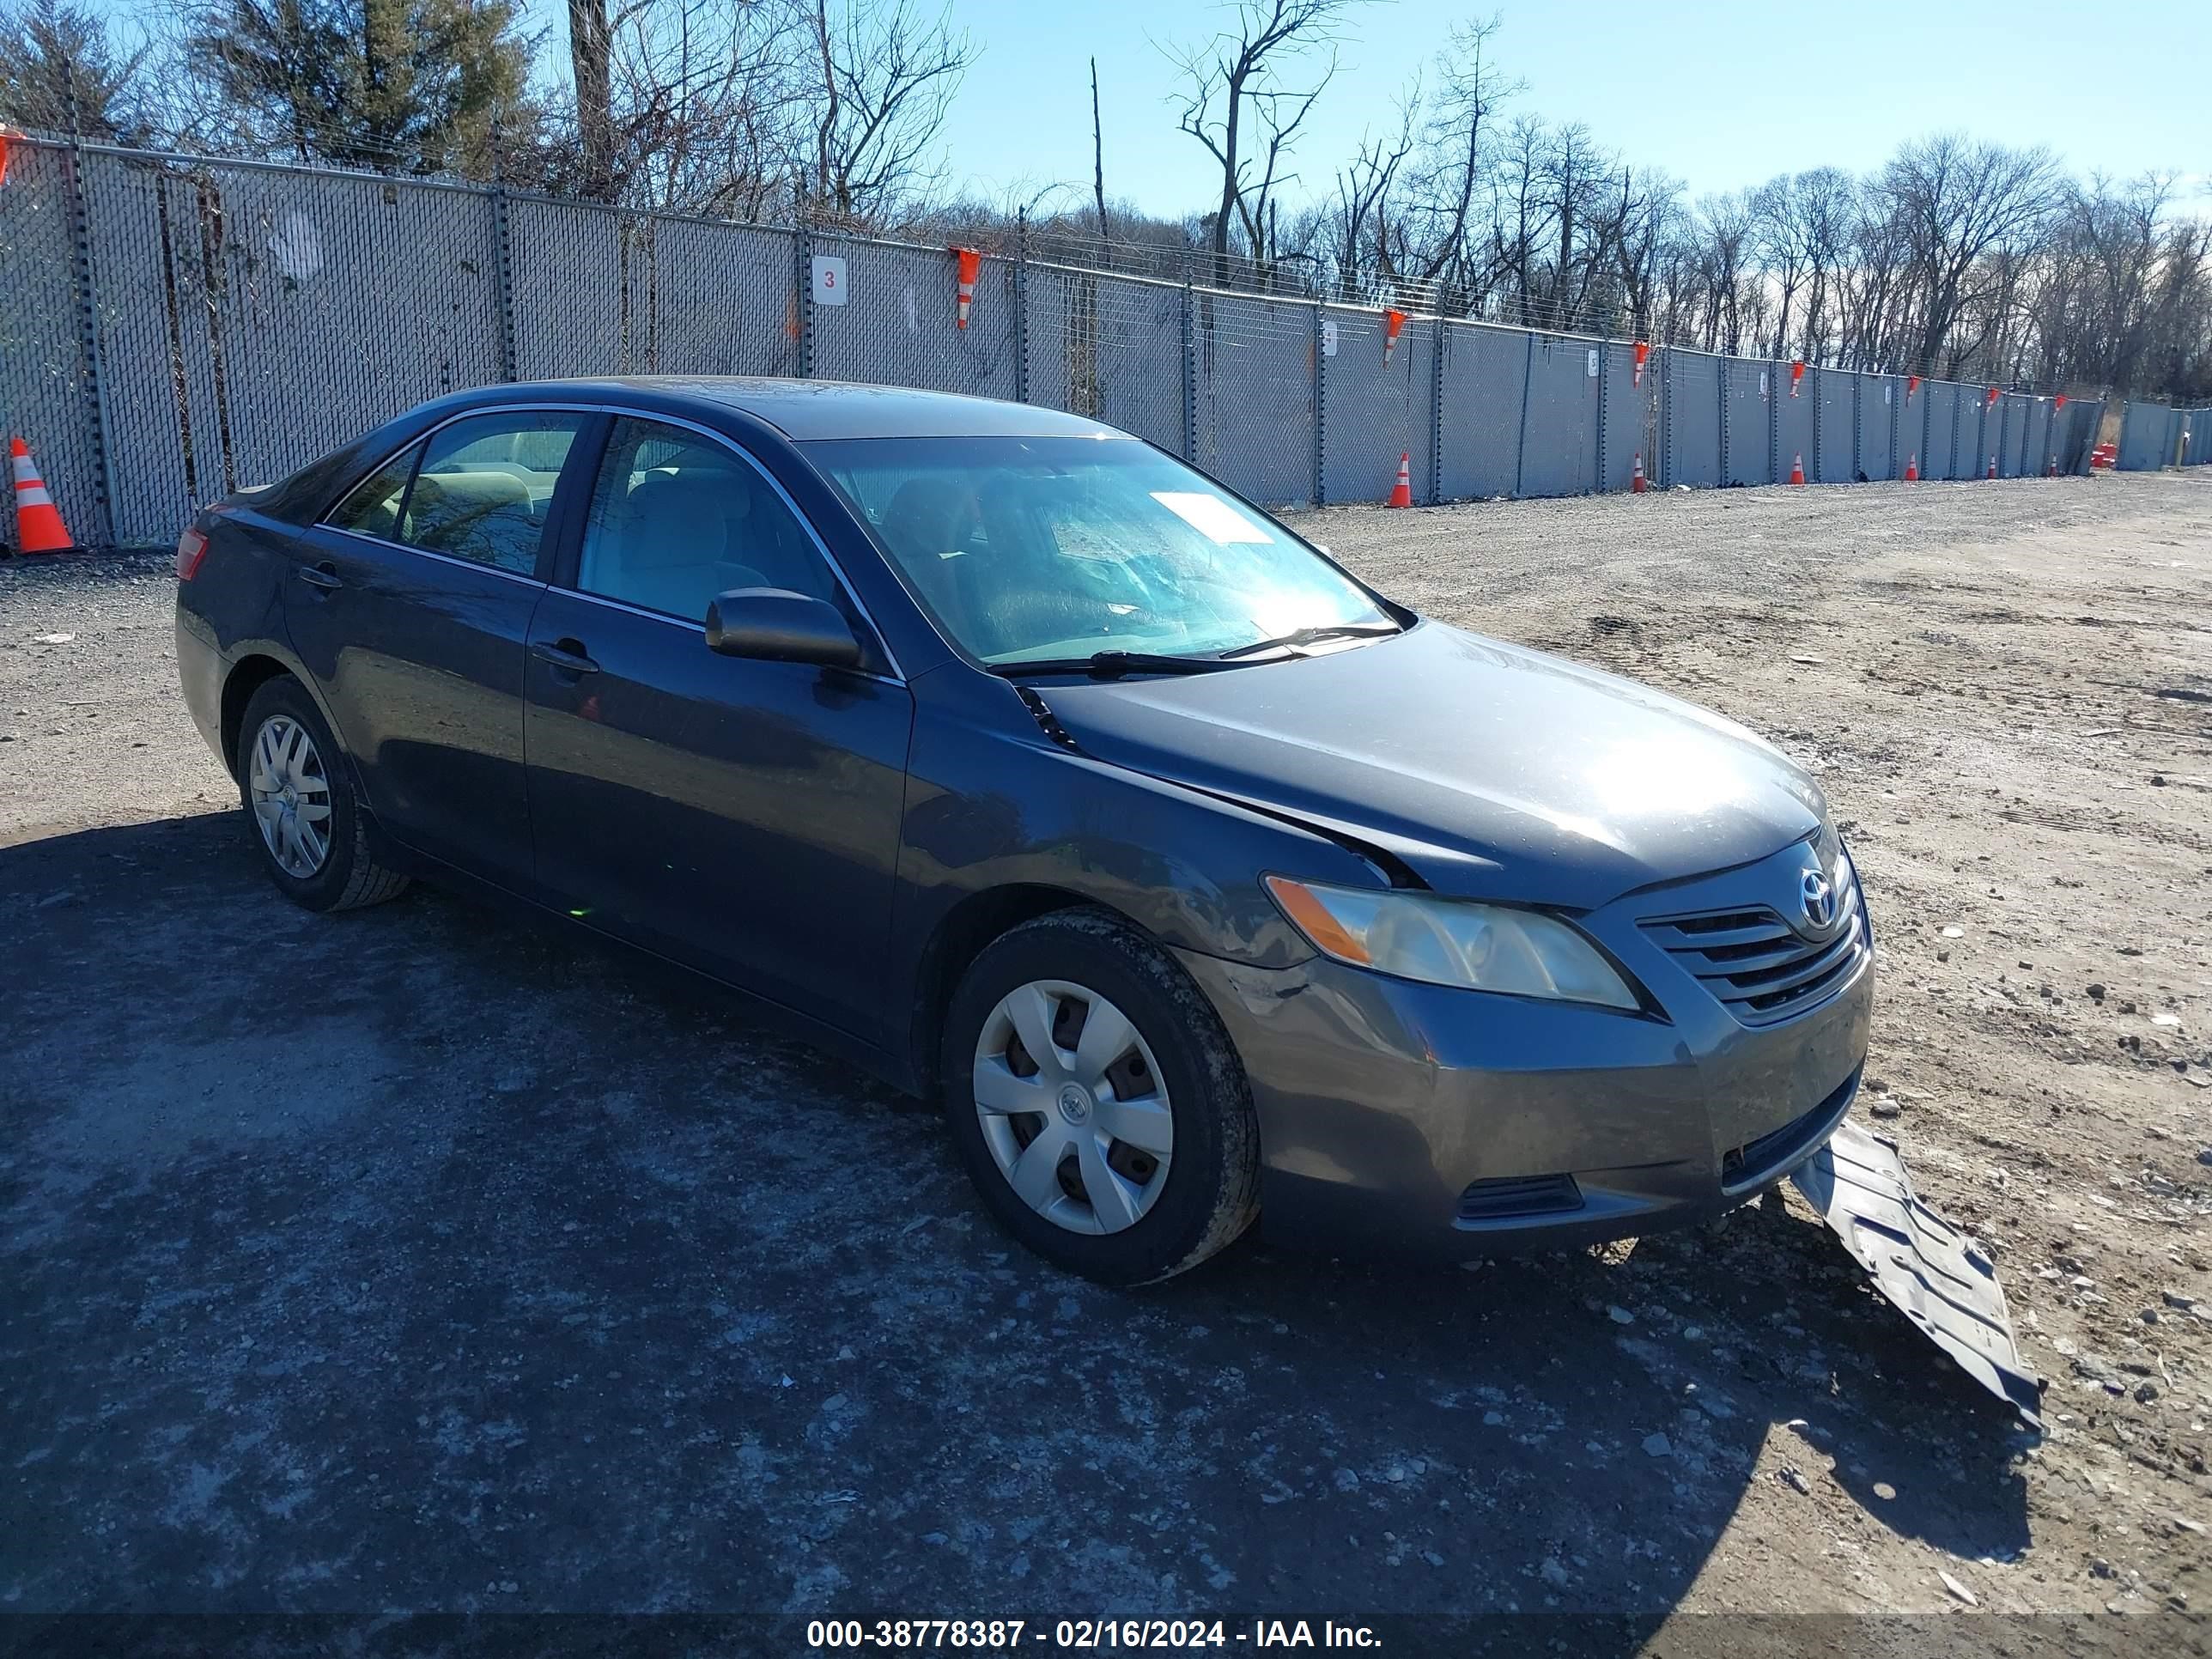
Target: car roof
{"x":805,"y":410}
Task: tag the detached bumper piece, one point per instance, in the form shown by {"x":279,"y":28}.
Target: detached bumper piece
{"x":1919,"y":1261}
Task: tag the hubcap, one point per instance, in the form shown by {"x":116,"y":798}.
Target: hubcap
{"x":1072,"y":1107}
{"x":291,"y":796}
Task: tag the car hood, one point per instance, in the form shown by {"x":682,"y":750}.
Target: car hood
{"x":1491,"y":770}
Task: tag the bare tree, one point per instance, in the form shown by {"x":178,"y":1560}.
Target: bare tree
{"x":1575,"y":170}
{"x":1452,"y":166}
{"x":1360,"y":215}
{"x":1248,"y":89}
{"x":1097,"y":151}
{"x":881,"y":76}
{"x":591,"y":36}
{"x":1958,"y":202}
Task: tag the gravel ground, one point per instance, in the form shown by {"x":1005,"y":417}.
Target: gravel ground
{"x":422,"y":1259}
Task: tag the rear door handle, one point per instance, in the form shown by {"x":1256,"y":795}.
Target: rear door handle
{"x":567,"y":656}
{"x":319,"y":575}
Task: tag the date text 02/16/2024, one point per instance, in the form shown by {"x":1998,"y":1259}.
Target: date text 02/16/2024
{"x":1008,"y":1635}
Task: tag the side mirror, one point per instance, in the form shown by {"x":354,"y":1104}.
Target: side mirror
{"x":773,"y":625}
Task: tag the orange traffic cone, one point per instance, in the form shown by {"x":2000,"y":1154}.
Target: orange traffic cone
{"x":1401,"y":493}
{"x":1797,"y":469}
{"x":1636,"y":484}
{"x":2051,"y":467}
{"x":39,"y":526}
{"x":1912,"y":467}
{"x":970,"y":267}
{"x":1993,"y":467}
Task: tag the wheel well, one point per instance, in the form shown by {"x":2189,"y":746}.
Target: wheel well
{"x":960,"y":938}
{"x":250,"y":674}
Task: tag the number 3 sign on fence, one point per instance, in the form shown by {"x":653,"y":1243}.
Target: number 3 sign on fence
{"x":829,"y":280}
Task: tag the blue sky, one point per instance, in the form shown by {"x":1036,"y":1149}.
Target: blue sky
{"x":1722,"y":94}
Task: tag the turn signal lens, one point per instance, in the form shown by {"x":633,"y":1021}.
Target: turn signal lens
{"x":1443,"y":941}
{"x":1312,"y":918}
{"x":192,"y":548}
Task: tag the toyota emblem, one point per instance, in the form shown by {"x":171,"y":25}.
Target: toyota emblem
{"x":1818,"y":897}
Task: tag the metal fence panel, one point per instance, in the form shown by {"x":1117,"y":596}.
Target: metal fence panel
{"x":1747,"y":439}
{"x":2147,"y":436}
{"x":2077,"y":426}
{"x":1690,"y":431}
{"x":334,"y":303}
{"x":572,"y":292}
{"x":1625,"y":427}
{"x":1939,"y":429}
{"x":1916,"y":428}
{"x":1253,"y":360}
{"x":142,"y":315}
{"x":1881,"y":417}
{"x":899,"y":325}
{"x":1486,"y":375}
{"x":1559,"y":445}
{"x":1975,"y":448}
{"x":1795,"y":419}
{"x":1374,"y":411}
{"x":1050,"y":312}
{"x":322,"y":305}
{"x":2042,"y":447}
{"x":2018,"y":424}
{"x":717,"y":299}
{"x":46,"y":396}
{"x":1122,"y":343}
{"x":1836,"y":416}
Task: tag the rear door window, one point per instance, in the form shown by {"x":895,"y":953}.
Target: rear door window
{"x":484,"y":488}
{"x":372,"y":507}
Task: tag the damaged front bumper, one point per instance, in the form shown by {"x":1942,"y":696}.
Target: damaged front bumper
{"x":1929,"y":1269}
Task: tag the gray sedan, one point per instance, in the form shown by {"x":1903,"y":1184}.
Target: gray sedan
{"x":1012,"y":758}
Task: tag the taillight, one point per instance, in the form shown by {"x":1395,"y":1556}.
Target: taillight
{"x":192,"y":548}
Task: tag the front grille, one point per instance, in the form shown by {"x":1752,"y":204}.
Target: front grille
{"x":1764,"y":971}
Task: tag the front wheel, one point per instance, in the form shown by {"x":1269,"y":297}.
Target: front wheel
{"x":1096,"y":1101}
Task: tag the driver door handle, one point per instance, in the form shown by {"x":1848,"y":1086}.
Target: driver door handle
{"x":567,"y":656}
{"x":319,"y":575}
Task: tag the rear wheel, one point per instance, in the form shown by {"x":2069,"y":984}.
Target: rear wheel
{"x":300,"y":806}
{"x":1096,"y":1101}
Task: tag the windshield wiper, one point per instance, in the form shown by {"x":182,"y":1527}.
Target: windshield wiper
{"x":1112,"y":665}
{"x":1309,"y":636}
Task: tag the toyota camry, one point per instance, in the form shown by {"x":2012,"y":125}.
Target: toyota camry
{"x":1034,"y":770}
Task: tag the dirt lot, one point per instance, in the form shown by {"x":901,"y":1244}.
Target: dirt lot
{"x":417,"y":1259}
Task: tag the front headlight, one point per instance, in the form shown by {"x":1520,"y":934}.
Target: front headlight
{"x":1441,"y":941}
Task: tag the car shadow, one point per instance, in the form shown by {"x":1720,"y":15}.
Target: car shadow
{"x":420,"y":1258}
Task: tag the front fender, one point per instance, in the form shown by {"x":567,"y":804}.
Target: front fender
{"x":994,"y":804}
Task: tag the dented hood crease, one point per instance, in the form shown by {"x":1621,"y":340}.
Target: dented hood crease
{"x":1489,"y":770}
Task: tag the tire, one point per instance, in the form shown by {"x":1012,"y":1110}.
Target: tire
{"x":347,"y":874}
{"x":1191,"y":1199}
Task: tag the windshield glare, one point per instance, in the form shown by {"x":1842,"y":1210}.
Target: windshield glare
{"x":1032,"y":549}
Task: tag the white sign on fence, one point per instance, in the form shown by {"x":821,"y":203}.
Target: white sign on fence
{"x":1328,"y":337}
{"x":1593,"y":363}
{"x":829,"y":280}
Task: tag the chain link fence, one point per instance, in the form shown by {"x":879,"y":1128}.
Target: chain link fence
{"x":175,"y":327}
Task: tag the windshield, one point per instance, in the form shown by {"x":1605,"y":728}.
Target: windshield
{"x":1028,"y":549}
